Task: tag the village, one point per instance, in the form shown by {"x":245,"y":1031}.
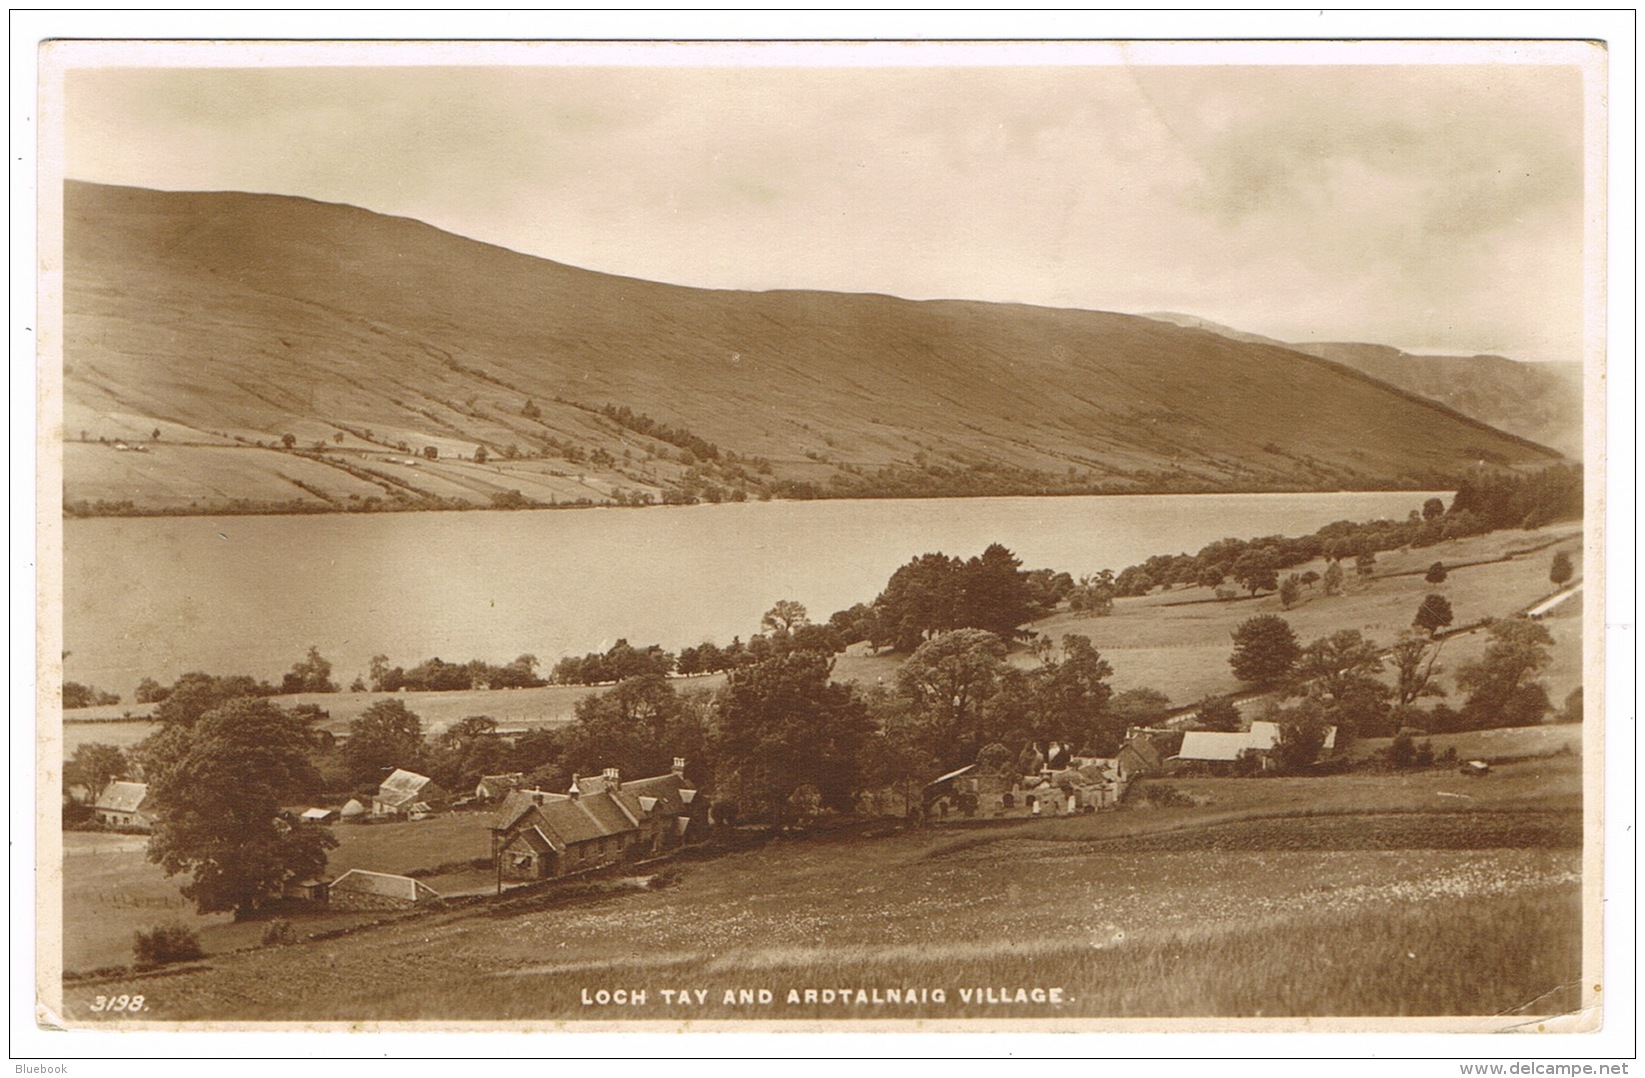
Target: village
{"x":605,"y":823}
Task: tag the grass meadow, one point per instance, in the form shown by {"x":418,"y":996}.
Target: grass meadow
{"x":111,"y":890}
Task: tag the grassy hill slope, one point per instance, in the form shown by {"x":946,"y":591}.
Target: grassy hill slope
{"x":197,"y":321}
{"x":1539,"y":401}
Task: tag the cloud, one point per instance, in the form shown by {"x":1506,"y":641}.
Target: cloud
{"x":1397,"y":204}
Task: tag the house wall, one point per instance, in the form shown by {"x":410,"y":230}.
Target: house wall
{"x":365,"y":900}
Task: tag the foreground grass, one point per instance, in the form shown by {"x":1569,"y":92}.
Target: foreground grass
{"x":1313,"y":914}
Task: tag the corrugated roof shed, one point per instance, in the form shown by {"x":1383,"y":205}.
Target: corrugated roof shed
{"x":384,"y":884}
{"x":1213,"y":745}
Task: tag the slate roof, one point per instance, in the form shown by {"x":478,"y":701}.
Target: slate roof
{"x":672,"y":790}
{"x":123,"y":796}
{"x":597,"y":812}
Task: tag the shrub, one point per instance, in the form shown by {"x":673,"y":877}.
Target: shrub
{"x":1161,"y":795}
{"x":278,"y":933}
{"x":1402,"y":753}
{"x":166,"y":943}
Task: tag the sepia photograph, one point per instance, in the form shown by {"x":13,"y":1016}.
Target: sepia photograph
{"x":821,"y":535}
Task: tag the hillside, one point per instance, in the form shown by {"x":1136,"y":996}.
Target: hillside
{"x":206,"y":328}
{"x":1539,"y":401}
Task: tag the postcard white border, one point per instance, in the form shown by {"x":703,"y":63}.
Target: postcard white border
{"x":1618,"y":642}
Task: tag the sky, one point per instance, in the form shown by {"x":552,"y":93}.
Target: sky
{"x":1432,"y":206}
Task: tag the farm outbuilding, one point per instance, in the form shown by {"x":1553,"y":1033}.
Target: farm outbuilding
{"x":360,"y":889}
{"x":125,"y":804}
{"x":353,"y":811}
{"x":405,"y":792}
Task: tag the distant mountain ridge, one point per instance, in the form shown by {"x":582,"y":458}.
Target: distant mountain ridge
{"x":1539,"y":401}
{"x":267,"y":349}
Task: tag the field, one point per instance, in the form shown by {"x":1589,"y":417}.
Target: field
{"x":514,"y":709}
{"x":1170,"y":641}
{"x":1367,"y":894}
{"x":110,"y":890}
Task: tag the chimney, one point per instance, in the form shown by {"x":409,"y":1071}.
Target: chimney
{"x":536,"y":797}
{"x":612,"y":780}
{"x":679,"y":765}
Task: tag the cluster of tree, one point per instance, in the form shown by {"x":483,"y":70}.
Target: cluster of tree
{"x":1482,"y":504}
{"x":621,"y":660}
{"x":957,"y":694}
{"x":78,"y":695}
{"x":640,"y":423}
{"x":437,"y":675}
{"x":935,"y":593}
{"x":1512,"y":500}
{"x":1340,"y":677}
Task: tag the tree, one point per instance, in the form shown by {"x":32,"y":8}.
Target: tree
{"x":1333,"y":579}
{"x":387,"y":735}
{"x":1217,"y":713}
{"x":1340,"y":666}
{"x":1433,"y":509}
{"x":94,"y":766}
{"x":150,"y":691}
{"x":786,"y":616}
{"x":312,"y":673}
{"x":432,"y":452}
{"x":994,"y":593}
{"x":78,"y":695}
{"x":1257,"y":569}
{"x":1561,"y":571}
{"x":1416,"y":663}
{"x":948,"y":679}
{"x":530,"y":410}
{"x":782,"y":724}
{"x":1302,"y":733}
{"x":1071,"y":702}
{"x":480,"y":454}
{"x":1290,"y":590}
{"x":1309,"y":579}
{"x":1434,"y":613}
{"x":1094,"y":595}
{"x":920,"y":599}
{"x":638,"y":726}
{"x":217,"y":787}
{"x":1436,"y":573}
{"x":1501,"y":686}
{"x":1365,"y":564}
{"x":1265,"y":649}
{"x":288,"y":440}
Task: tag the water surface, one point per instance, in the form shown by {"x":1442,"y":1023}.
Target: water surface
{"x":157,"y":596}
